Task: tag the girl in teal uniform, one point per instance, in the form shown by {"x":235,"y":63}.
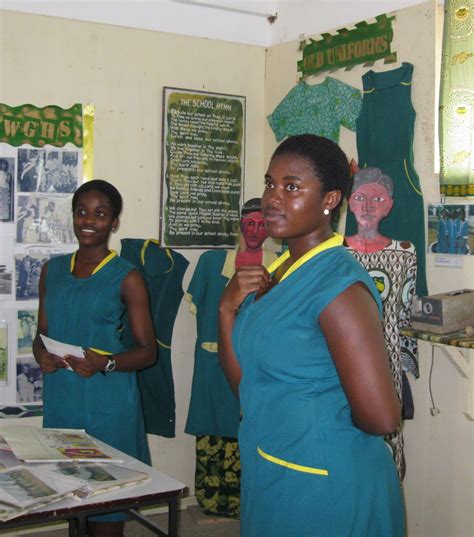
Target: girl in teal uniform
{"x":306,"y":354}
{"x":83,"y":297}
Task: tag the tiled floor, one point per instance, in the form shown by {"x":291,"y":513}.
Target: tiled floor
{"x":191,"y":523}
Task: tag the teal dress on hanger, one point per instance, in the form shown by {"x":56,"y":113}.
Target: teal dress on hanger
{"x":163,"y":270}
{"x":385,"y":131}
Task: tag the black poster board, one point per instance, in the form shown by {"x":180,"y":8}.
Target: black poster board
{"x":202,"y":168}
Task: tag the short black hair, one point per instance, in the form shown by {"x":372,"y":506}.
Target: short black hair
{"x":329,"y":161}
{"x":251,"y":206}
{"x":103,"y":187}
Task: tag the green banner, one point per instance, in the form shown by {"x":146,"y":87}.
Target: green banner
{"x":203,"y":166}
{"x":365,"y":44}
{"x":28,"y":124}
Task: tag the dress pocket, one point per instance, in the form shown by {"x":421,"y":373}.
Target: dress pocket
{"x":291,"y":465}
{"x":414,"y":182}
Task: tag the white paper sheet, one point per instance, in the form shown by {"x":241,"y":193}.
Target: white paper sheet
{"x":61,"y":349}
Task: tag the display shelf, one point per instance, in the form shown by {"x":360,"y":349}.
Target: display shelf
{"x":456,"y":347}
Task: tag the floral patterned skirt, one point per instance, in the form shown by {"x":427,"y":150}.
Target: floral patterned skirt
{"x":217,"y":479}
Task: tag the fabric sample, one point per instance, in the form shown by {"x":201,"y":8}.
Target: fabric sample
{"x":318,"y":109}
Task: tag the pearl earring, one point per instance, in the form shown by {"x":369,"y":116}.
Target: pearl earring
{"x":326,"y":211}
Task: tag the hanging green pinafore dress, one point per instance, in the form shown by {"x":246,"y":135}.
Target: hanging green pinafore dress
{"x":385,"y":130}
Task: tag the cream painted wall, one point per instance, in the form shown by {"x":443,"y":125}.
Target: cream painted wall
{"x":47,"y":60}
{"x":439,"y":485}
{"x":122,"y":71}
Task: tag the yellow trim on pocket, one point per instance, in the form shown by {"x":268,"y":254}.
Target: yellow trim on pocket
{"x":291,"y":465}
{"x":163,"y":344}
{"x":209,"y":346}
{"x":405,"y":164}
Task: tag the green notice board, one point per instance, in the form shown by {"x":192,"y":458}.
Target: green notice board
{"x":202,"y":168}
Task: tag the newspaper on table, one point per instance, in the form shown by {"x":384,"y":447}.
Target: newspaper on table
{"x":7,"y":457}
{"x":99,"y":478}
{"x":35,"y":445}
{"x":24,"y":489}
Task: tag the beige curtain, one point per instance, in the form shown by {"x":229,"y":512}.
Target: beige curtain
{"x":456,"y":111}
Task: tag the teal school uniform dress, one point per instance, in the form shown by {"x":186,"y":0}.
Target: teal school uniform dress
{"x":307,"y":471}
{"x":385,"y":133}
{"x":163,"y":270}
{"x":88,"y":312}
{"x":214,"y":411}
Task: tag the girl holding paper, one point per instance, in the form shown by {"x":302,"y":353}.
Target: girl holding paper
{"x":83,"y":297}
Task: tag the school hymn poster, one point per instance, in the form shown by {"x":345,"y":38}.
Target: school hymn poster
{"x":202,"y":168}
{"x":43,"y":154}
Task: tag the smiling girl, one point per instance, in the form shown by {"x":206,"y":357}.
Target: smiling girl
{"x":83,"y":297}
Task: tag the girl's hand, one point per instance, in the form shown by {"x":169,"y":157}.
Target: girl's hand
{"x":50,"y":363}
{"x":88,"y":366}
{"x":247,"y":279}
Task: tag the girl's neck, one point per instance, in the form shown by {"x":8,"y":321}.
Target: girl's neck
{"x":300,"y":245}
{"x":92,"y":255}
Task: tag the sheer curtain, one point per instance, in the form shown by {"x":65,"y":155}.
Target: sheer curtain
{"x":456,"y":111}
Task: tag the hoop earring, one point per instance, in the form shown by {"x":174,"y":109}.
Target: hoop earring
{"x":326,"y":211}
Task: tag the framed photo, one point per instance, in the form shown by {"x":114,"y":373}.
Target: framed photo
{"x":44,"y":219}
{"x":203,"y":156}
{"x":6,"y":268}
{"x":7,"y":188}
{"x":450,"y":229}
{"x":28,"y":270}
{"x":26,"y":330}
{"x":29,"y":381}
{"x":3,"y":352}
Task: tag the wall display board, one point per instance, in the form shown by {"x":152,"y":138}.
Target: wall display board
{"x":366,"y":43}
{"x":45,"y":153}
{"x":202,"y":168}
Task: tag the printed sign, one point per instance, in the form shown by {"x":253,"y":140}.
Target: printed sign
{"x":364,"y":44}
{"x":203,"y":162}
{"x":28,"y":124}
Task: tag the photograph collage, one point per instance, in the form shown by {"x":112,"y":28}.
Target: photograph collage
{"x":36,"y":187}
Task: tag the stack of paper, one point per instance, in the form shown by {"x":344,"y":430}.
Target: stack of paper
{"x":24,"y":489}
{"x":73,"y":465}
{"x":32,"y":445}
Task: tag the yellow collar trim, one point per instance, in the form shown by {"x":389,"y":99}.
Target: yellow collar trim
{"x":229,"y":264}
{"x":336,"y":240}
{"x":104,"y":261}
{"x":155,"y":241}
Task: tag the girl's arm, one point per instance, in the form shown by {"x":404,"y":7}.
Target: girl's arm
{"x":353,"y":332}
{"x":247,"y":279}
{"x":49,"y":363}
